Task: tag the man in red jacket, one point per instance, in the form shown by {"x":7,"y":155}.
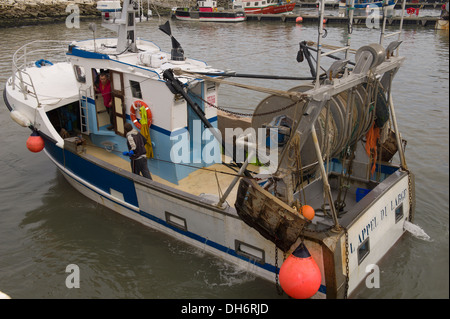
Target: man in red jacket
{"x":104,"y":87}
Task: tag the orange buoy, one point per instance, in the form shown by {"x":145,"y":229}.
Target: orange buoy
{"x":299,"y":20}
{"x":307,"y":211}
{"x":299,"y":275}
{"x":35,"y":143}
{"x":324,"y":21}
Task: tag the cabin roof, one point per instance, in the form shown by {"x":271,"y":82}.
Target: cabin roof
{"x":105,"y":49}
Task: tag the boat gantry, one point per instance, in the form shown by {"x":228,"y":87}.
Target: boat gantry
{"x":305,"y":194}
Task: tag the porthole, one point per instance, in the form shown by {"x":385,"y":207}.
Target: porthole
{"x":363,"y":250}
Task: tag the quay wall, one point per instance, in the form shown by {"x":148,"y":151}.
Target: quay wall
{"x":28,"y":12}
{"x":15,"y":13}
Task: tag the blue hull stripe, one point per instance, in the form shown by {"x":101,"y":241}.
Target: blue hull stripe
{"x":100,"y":177}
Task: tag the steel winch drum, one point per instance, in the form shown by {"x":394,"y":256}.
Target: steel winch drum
{"x":336,"y":131}
{"x":376,"y":50}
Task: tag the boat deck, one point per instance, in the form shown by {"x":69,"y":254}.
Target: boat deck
{"x":212,"y":180}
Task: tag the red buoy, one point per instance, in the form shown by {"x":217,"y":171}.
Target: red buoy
{"x":299,"y":20}
{"x":35,"y":143}
{"x":299,"y":275}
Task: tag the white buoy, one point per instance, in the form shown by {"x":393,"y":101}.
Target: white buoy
{"x":4,"y":296}
{"x":19,"y":118}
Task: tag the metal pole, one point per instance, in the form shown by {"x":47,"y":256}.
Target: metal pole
{"x":256,"y":76}
{"x":350,"y":25}
{"x":235,"y":180}
{"x":401,"y":23}
{"x":325,"y":178}
{"x":384,"y":22}
{"x":319,"y":43}
{"x":396,"y":131}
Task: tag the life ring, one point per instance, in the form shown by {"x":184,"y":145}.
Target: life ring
{"x":42,"y":62}
{"x":136,"y":106}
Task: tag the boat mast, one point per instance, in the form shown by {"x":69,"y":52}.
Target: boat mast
{"x":125,"y":27}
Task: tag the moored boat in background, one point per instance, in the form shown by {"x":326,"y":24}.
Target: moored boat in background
{"x":268,"y":6}
{"x":207,"y":11}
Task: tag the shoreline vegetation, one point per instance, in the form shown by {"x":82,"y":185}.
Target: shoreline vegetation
{"x":17,"y":13}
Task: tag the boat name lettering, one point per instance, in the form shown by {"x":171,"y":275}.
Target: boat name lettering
{"x":374,"y":222}
{"x":398,"y":200}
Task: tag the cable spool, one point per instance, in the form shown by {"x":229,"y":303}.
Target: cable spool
{"x":336,"y":128}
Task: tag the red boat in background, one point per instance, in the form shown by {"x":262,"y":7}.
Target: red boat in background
{"x":268,"y":6}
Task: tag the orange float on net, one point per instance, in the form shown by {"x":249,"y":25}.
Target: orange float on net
{"x":136,"y":107}
{"x":35,"y":143}
{"x":307,"y":211}
{"x":299,"y":274}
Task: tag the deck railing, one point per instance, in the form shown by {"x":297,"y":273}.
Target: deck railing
{"x":27,"y":55}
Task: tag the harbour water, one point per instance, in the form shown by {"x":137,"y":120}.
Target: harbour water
{"x":45,"y":225}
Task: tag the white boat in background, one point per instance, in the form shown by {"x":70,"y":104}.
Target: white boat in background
{"x":322,"y":201}
{"x":372,"y":4}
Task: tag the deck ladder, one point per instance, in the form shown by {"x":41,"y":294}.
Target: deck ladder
{"x":84,"y":114}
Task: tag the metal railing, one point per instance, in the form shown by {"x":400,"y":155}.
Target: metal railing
{"x":346,"y":48}
{"x":27,"y":55}
{"x":383,"y":28}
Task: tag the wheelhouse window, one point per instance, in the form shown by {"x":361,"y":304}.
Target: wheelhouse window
{"x":136,"y":89}
{"x":80,"y":75}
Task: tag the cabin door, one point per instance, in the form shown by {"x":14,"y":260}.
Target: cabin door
{"x":118,"y":102}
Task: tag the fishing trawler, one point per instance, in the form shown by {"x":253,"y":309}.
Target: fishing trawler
{"x":308,"y":194}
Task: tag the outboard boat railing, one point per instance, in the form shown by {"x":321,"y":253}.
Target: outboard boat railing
{"x":28,"y":54}
{"x":399,"y":32}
